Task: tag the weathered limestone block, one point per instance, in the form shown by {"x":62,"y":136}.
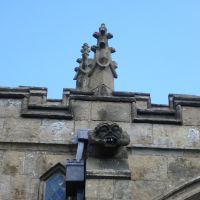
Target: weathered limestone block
{"x":191,"y":116}
{"x":102,"y":77}
{"x":33,"y":189}
{"x":35,"y":99}
{"x":54,"y":158}
{"x":81,"y":109}
{"x":102,"y":189}
{"x":123,"y":190}
{"x":1,"y":160}
{"x":31,"y":164}
{"x":151,"y":168}
{"x":153,"y":151}
{"x":10,"y":108}
{"x":20,"y":187}
{"x":5,"y":189}
{"x":56,"y":131}
{"x":141,"y":104}
{"x":1,"y":124}
{"x":107,"y":111}
{"x":107,"y":168}
{"x":147,"y":190}
{"x":93,"y":124}
{"x":139,"y":133}
{"x":82,"y":125}
{"x":21,"y":130}
{"x":13,"y":163}
{"x":2,"y":133}
{"x":183,"y":168}
{"x":37,"y":163}
{"x":176,"y":136}
{"x":92,"y":189}
{"x":106,"y":189}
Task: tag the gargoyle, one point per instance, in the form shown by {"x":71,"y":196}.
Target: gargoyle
{"x":109,"y":136}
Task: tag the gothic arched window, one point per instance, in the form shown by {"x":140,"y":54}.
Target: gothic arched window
{"x":53,"y":184}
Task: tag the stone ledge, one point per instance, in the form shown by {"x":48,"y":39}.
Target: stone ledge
{"x":130,"y":94}
{"x":107,"y":168}
{"x":12,"y":95}
{"x":102,"y":98}
{"x":157,"y":114}
{"x":157,"y":120}
{"x":109,"y":174}
{"x":21,"y":92}
{"x":48,"y":107}
{"x":51,"y":147}
{"x":45,"y":111}
{"x":188,"y":103}
{"x":68,"y":91}
{"x":46,"y":114}
{"x":7,"y":92}
{"x":166,"y":148}
{"x":153,"y":105}
{"x":156,"y":111}
{"x":184,"y":100}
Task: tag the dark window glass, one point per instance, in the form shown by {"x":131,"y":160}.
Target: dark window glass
{"x":55,"y":188}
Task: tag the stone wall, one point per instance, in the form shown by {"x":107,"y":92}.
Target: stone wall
{"x":36,"y":134}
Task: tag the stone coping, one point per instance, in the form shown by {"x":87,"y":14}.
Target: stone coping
{"x":174,"y":99}
{"x":36,"y":104}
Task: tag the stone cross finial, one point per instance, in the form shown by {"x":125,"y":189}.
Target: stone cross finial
{"x":102,"y":38}
{"x":97,"y":74}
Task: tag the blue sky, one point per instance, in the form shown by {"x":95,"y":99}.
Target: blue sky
{"x":157,"y":43}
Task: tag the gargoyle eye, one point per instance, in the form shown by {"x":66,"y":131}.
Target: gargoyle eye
{"x":115,"y":128}
{"x":104,"y":129}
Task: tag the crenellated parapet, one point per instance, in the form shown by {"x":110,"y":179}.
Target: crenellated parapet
{"x":35,"y":103}
{"x":120,"y":106}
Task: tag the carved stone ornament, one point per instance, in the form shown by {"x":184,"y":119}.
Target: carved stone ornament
{"x":109,"y":136}
{"x":91,"y":74}
{"x":103,"y":51}
{"x":85,"y":65}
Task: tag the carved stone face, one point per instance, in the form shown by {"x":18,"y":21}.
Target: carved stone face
{"x":109,"y":135}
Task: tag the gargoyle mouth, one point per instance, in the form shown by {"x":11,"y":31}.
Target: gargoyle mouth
{"x":110,"y":140}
